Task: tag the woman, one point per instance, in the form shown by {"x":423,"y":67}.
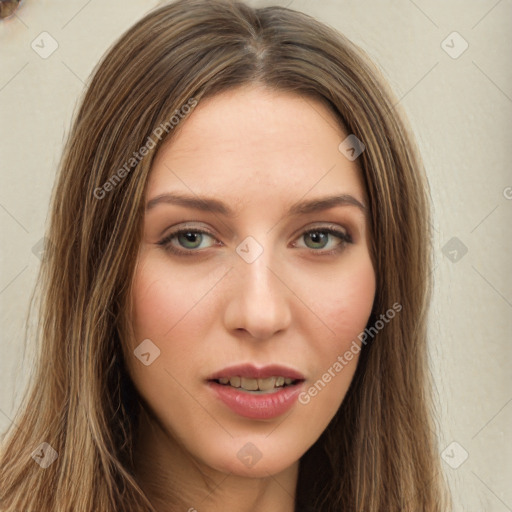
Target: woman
{"x":235,"y":294}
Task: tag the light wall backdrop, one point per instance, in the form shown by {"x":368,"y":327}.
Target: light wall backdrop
{"x":450,"y":67}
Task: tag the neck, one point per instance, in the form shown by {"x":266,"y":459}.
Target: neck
{"x":174,"y":480}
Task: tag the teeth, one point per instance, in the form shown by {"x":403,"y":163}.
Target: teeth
{"x":266,"y":384}
{"x":235,"y":382}
{"x":249,"y":384}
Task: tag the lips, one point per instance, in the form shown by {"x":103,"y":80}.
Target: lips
{"x":253,"y":372}
{"x":257,"y":393}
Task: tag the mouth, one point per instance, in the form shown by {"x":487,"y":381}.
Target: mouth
{"x":257,"y":393}
{"x":257,"y":386}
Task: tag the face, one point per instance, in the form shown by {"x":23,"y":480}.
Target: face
{"x":249,"y":289}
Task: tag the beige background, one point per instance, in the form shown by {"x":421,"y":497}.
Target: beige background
{"x":461,"y":112}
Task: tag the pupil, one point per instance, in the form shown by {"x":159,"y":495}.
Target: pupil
{"x":316,"y":237}
{"x":189,"y":237}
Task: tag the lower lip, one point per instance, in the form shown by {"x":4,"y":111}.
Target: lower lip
{"x":262,"y":406}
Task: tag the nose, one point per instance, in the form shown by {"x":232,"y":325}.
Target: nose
{"x":258,"y":303}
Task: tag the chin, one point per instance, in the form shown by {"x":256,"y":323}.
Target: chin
{"x":253,"y":456}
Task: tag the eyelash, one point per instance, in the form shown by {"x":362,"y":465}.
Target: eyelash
{"x":345,"y":238}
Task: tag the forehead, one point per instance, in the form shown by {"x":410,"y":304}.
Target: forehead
{"x":251,"y":142}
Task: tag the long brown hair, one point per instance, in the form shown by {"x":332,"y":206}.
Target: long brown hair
{"x":379,"y":452}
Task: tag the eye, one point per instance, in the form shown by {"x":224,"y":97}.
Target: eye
{"x":187,"y":241}
{"x":187,"y":238}
{"x":320,"y":240}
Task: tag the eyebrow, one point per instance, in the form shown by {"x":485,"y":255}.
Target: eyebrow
{"x":215,"y":206}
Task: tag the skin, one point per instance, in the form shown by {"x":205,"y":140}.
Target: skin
{"x":259,"y":151}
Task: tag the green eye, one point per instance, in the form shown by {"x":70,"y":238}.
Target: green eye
{"x":190,"y":239}
{"x":319,"y":238}
{"x":316,"y":240}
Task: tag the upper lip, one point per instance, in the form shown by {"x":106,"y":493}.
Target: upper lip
{"x":254,"y":372}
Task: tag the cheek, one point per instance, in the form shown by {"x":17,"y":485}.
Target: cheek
{"x":344,"y":301}
{"x":160,"y":312}
{"x":351,"y":300}
{"x":170,"y":308}
{"x":156,"y":305}
{"x":167,"y":309}
{"x":344,"y":306}
{"x":165,"y":301}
